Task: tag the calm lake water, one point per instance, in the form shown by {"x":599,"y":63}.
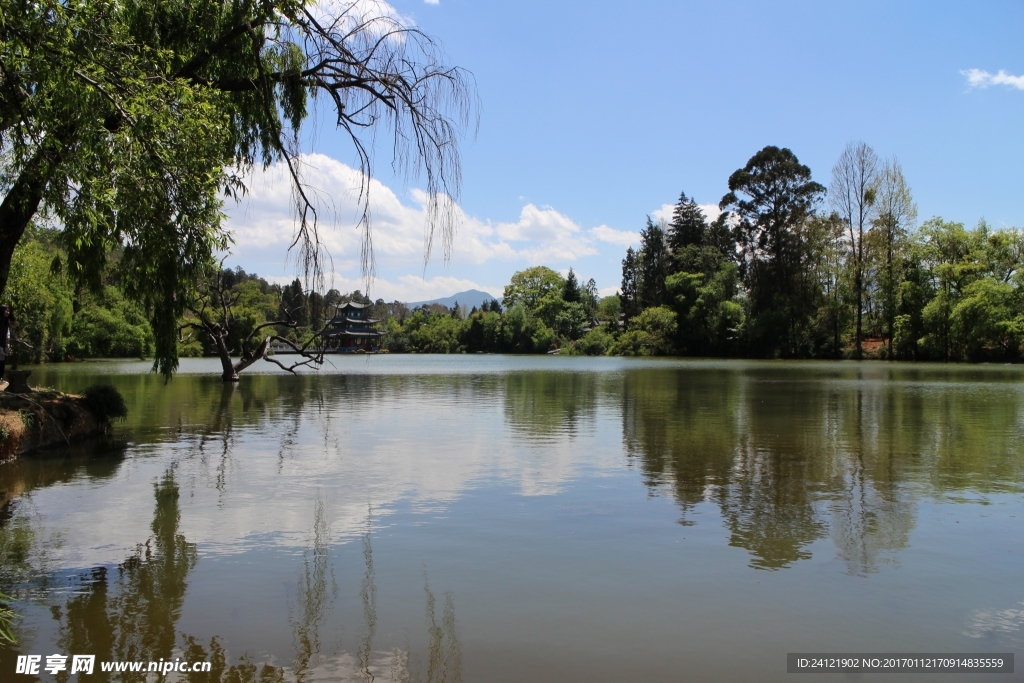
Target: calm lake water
{"x":495,"y":518}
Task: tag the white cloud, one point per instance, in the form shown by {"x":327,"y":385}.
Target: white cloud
{"x":401,"y":288}
{"x":557,"y":237}
{"x":347,"y":14}
{"x":711,"y":211}
{"x":622,"y":238}
{"x":432,"y":2}
{"x":664,"y":213}
{"x":978,"y":78}
{"x":263,"y":225}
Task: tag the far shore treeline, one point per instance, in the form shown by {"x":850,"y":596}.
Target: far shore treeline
{"x":789,"y":269}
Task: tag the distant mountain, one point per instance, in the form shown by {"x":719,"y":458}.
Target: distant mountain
{"x":469,"y":299}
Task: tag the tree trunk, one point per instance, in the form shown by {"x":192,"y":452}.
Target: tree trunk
{"x":224,"y":353}
{"x":250,"y":358}
{"x":19,"y":206}
{"x":230,"y":370}
{"x":890,"y":304}
{"x":860,"y":289}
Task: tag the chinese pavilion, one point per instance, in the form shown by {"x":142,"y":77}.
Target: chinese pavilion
{"x":351,"y":329}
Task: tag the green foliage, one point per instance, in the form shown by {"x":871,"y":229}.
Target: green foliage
{"x":609,"y":307}
{"x":571,"y":290}
{"x":482,"y":331}
{"x":127,"y":122}
{"x":105,"y":402}
{"x":571,"y":321}
{"x":596,"y":342}
{"x":41,"y":301}
{"x":966,"y":285}
{"x":773,"y":197}
{"x":653,"y":265}
{"x":770,"y":276}
{"x":652,"y":333}
{"x":110,"y":327}
{"x":529,"y":287}
{"x":688,"y":225}
{"x":629,"y":293}
{"x":709,"y":309}
{"x":543,"y":338}
{"x":523,"y":332}
{"x":985,"y":323}
{"x":435,"y":333}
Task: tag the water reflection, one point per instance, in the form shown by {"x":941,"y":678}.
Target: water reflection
{"x":401,"y":664}
{"x":789,"y":461}
{"x":95,"y":459}
{"x":542,"y":405}
{"x":444,"y":662}
{"x":130,"y":613}
{"x":789,"y":455}
{"x":317,"y":590}
{"x":307,"y":478}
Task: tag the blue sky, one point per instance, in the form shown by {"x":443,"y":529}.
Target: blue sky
{"x":596,"y":114}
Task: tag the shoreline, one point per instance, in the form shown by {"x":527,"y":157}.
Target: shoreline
{"x":45,"y":420}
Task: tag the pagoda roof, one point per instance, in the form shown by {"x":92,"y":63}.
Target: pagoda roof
{"x":365,"y":321}
{"x":353,"y":304}
{"x":357,"y":333}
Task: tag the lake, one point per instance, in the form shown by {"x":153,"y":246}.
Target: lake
{"x":502,"y":518}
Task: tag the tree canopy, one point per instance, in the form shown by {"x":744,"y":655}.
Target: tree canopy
{"x":773,"y":195}
{"x":125,"y":122}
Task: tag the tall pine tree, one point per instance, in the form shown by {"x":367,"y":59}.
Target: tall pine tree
{"x":654,"y":259}
{"x":571,"y":289}
{"x":629,"y":296}
{"x":688,"y":225}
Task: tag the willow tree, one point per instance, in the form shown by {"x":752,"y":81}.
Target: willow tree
{"x":125,"y":122}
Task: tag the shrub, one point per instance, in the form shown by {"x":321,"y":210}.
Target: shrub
{"x":649,"y":334}
{"x":105,"y":402}
{"x":595,"y":342}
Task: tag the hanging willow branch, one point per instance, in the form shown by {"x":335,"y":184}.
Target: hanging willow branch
{"x":127,"y":121}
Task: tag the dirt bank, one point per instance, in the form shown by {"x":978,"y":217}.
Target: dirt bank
{"x":44,"y":419}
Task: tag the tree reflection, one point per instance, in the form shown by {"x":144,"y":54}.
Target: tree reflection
{"x":131,"y":615}
{"x":316,"y":592}
{"x":544,"y":404}
{"x":791,"y":455}
{"x":767,"y":508}
{"x":682,"y":429}
{"x":444,"y":649}
{"x":444,"y":661}
{"x":96,"y":458}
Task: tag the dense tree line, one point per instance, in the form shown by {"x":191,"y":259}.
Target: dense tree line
{"x":782,"y":273}
{"x":541,"y":311}
{"x":61,"y":317}
{"x":58,"y":317}
{"x":788,"y":269}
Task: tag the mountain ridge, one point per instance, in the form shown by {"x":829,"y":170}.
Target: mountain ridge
{"x":468,"y":298}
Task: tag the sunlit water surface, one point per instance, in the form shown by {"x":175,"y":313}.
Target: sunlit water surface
{"x":494,"y":518}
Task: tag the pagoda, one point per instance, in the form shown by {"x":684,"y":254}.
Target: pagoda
{"x":352,"y":329}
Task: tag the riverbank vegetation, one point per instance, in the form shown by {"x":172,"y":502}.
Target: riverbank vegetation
{"x":787,"y":269}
